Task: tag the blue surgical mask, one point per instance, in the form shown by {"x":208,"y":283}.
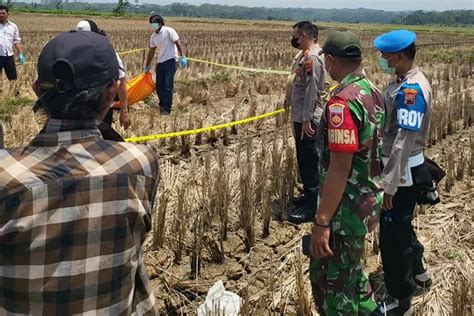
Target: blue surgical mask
{"x":383,"y":64}
{"x":328,"y":68}
{"x":155,"y":26}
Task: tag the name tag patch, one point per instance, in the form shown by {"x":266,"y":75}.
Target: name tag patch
{"x":342,"y":136}
{"x":411,"y":119}
{"x":411,"y":107}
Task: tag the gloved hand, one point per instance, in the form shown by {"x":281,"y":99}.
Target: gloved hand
{"x":146,"y":69}
{"x":184,"y":62}
{"x":22,"y":59}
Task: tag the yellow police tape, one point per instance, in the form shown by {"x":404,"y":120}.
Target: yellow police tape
{"x":27,"y":63}
{"x":131,"y":51}
{"x":204,"y":129}
{"x":256,"y":70}
{"x":120,"y":53}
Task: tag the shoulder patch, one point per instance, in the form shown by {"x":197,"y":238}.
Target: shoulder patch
{"x":411,"y":107}
{"x":336,"y":114}
{"x":410,"y":96}
{"x":343,"y":133}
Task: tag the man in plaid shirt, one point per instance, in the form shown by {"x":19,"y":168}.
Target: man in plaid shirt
{"x":74,"y":205}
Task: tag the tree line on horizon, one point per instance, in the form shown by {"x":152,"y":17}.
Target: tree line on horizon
{"x":361,"y":15}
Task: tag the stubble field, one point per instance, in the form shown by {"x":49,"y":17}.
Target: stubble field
{"x":224,"y":195}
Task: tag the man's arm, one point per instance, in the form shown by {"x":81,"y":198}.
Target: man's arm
{"x":313,"y":70}
{"x":290,"y":81}
{"x":184,"y":61}
{"x":319,"y":77}
{"x":340,"y":119}
{"x":398,"y":160}
{"x":123,"y":97}
{"x":312,"y":106}
{"x":17,"y":42}
{"x":18,"y":48}
{"x":181,"y":49}
{"x":149,"y":58}
{"x":336,"y":179}
{"x":334,"y":186}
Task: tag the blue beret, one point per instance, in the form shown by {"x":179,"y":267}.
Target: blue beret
{"x":394,"y":41}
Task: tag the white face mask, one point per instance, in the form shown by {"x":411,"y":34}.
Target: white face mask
{"x":155,"y":26}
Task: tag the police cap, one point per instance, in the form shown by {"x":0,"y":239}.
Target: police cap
{"x":394,"y":41}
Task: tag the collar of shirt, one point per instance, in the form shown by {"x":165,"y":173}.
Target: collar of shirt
{"x":303,"y":57}
{"x":354,"y":76}
{"x":315,"y":48}
{"x":409,"y":74}
{"x":65,"y":132}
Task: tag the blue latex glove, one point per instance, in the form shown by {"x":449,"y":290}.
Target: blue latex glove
{"x":22,"y":59}
{"x":146,"y":69}
{"x":184,"y":62}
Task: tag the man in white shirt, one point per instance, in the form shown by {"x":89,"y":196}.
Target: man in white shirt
{"x":9,"y":39}
{"x":89,"y":25}
{"x":166,"y":44}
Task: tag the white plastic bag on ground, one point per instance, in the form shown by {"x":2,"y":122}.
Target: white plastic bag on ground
{"x":220,"y":302}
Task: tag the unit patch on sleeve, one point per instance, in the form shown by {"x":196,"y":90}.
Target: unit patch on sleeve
{"x":343,"y":134}
{"x":336,"y":114}
{"x":411,"y":107}
{"x":410,"y":96}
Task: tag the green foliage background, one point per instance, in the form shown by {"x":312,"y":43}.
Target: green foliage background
{"x":123,"y":7}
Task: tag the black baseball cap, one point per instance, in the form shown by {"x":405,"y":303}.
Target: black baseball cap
{"x":74,"y":61}
{"x":342,"y":44}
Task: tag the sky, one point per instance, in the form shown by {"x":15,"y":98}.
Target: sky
{"x":388,"y":5}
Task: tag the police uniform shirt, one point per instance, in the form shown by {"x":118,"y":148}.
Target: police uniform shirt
{"x":309,"y":86}
{"x":290,"y":81}
{"x":408,"y":106}
{"x":9,"y":35}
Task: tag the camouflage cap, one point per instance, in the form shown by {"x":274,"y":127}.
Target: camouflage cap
{"x":342,"y":44}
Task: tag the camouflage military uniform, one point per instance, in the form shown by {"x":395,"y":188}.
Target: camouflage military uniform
{"x":353,"y":123}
